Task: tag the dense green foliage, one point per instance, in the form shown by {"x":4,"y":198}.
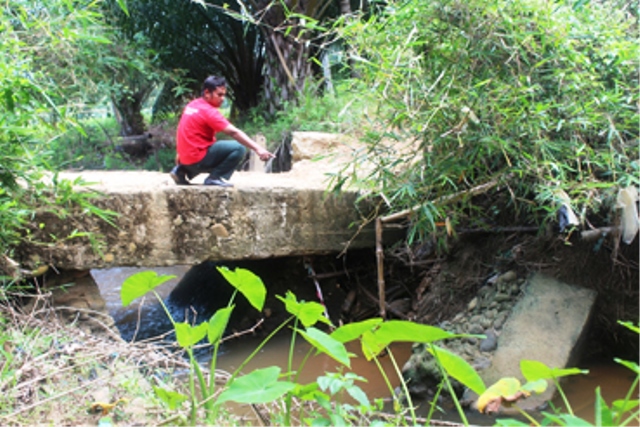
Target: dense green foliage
{"x":35,"y":42}
{"x":321,"y":402}
{"x":199,"y":40}
{"x":55,"y":59}
{"x":536,"y":96}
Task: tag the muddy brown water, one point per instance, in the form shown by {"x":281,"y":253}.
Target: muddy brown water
{"x":613,"y":379}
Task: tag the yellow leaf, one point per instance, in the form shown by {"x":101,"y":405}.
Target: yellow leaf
{"x":447,"y":223}
{"x":104,"y":408}
{"x":492,"y":398}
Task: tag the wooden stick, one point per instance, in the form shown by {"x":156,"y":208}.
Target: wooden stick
{"x":483,"y":188}
{"x":516,"y":229}
{"x":380,"y":264}
{"x":596,"y":233}
{"x":387,"y":306}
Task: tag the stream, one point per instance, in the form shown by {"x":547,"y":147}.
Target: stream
{"x":613,"y":379}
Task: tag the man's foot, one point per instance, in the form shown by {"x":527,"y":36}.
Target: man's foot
{"x":217,"y":181}
{"x":179,"y":175}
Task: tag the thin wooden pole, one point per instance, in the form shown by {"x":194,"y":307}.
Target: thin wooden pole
{"x":380,"y":264}
{"x":483,"y":188}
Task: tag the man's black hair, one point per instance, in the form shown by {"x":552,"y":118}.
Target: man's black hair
{"x":213,"y":82}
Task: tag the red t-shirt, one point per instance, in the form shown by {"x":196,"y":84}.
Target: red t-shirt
{"x":197,"y":130}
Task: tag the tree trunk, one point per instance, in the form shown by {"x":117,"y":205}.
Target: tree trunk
{"x":129,"y":115}
{"x":345,"y":9}
{"x":287,"y":69}
{"x":128,"y":109}
{"x":287,"y":65}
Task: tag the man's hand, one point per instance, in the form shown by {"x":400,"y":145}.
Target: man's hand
{"x":264,"y":155}
{"x":243,"y":139}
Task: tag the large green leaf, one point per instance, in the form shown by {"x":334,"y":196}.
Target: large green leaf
{"x":188,"y":335}
{"x":631,"y":365}
{"x":352,"y":331}
{"x":218,"y":324}
{"x":621,"y":406}
{"x":309,"y":313}
{"x":566,"y":420}
{"x":248,"y":284}
{"x":309,"y":391}
{"x":603,"y":415}
{"x":324,"y":343}
{"x":139,"y":284}
{"x":374,"y":341}
{"x":534,"y":370}
{"x":259,"y":386}
{"x":459,"y":369}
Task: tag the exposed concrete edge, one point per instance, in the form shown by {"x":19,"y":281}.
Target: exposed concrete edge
{"x":547,"y":324}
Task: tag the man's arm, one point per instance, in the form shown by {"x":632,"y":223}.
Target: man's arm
{"x":244,"y":139}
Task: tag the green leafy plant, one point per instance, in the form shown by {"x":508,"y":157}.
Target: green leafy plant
{"x":270,"y":384}
{"x":40,"y":90}
{"x":483,"y":103}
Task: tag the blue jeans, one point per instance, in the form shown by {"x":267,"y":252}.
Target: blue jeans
{"x":221,"y":160}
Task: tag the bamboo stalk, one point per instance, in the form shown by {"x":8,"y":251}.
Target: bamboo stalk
{"x":380,"y":264}
{"x":482,"y":188}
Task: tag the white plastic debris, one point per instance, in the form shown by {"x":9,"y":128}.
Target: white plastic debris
{"x":627,"y":198}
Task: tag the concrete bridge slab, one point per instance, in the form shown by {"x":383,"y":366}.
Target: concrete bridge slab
{"x":160,"y":223}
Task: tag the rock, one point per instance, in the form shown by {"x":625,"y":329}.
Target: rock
{"x":219,"y":230}
{"x":485,"y":322}
{"x":500,"y":319}
{"x":490,"y":343}
{"x":507,"y":277}
{"x":476,"y":329}
{"x":307,"y":145}
{"x":472,"y":304}
{"x":480,"y":363}
{"x":500,"y":297}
